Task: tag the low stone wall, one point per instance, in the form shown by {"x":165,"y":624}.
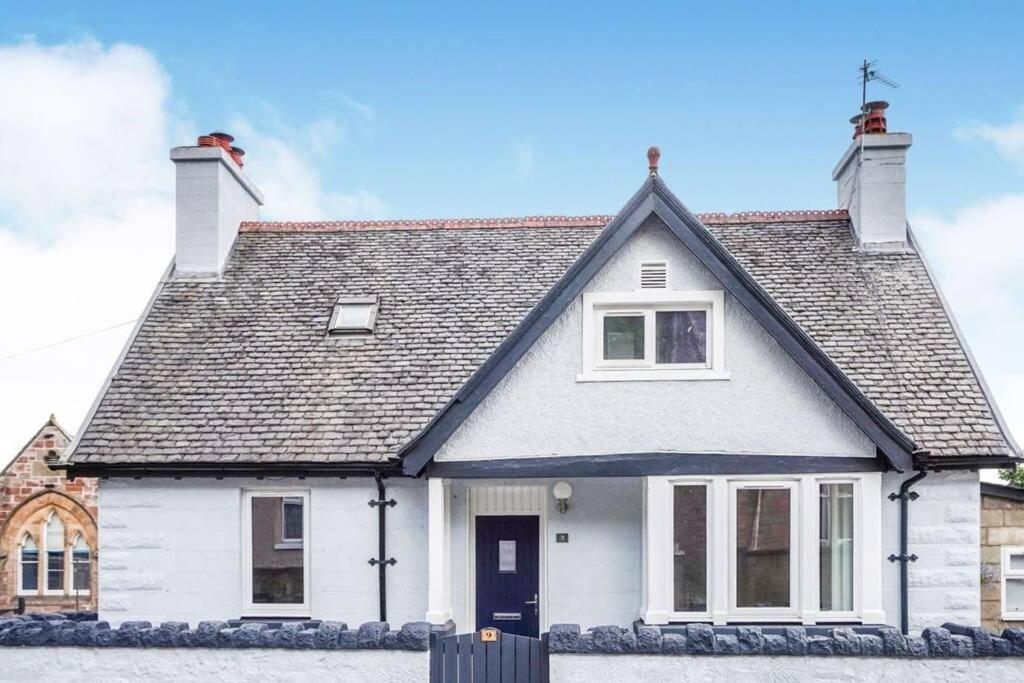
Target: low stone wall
{"x":951,"y":640}
{"x":54,"y":630}
{"x":43,"y":646}
{"x":202,"y":664}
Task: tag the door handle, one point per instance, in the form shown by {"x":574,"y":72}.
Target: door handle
{"x":533,"y":602}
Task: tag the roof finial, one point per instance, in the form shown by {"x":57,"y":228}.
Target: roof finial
{"x":653,"y":154}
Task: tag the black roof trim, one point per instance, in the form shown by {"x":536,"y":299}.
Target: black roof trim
{"x":1001,"y":491}
{"x":221,"y":470}
{"x":644,"y":464}
{"x":654,"y":198}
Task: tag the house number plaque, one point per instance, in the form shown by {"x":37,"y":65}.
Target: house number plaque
{"x":488,"y":635}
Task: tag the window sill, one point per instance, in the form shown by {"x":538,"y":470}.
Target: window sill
{"x":648,"y":375}
{"x":288,"y":545}
{"x":1013,"y":617}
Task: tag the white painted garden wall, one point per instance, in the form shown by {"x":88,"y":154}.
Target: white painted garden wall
{"x":171,"y":550}
{"x":632,"y":668}
{"x":188,"y":664}
{"x":768,"y":406}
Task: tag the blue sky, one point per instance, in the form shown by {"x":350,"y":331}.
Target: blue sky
{"x":749,"y":105}
{"x":416,"y":110}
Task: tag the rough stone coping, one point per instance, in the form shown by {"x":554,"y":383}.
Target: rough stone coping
{"x":949,"y":640}
{"x":58,"y":630}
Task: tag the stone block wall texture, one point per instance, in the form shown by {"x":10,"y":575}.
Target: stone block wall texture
{"x":1002,"y":524}
{"x":944,"y":582}
{"x":29,"y":488}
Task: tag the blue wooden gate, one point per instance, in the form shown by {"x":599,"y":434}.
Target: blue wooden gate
{"x":476,"y":658}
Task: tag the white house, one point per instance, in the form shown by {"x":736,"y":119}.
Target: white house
{"x":525,"y":421}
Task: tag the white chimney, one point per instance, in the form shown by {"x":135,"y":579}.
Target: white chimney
{"x":871,"y":181}
{"x":212,"y":197}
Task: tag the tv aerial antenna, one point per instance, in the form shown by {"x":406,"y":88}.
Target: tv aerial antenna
{"x":868,"y":72}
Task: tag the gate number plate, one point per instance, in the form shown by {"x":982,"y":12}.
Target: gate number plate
{"x":489,"y":635}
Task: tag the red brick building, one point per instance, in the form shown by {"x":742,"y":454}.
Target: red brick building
{"x":48,"y":541}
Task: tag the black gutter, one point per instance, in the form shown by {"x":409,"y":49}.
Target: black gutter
{"x":1003,"y":491}
{"x":225,"y":470}
{"x":382,"y":504}
{"x":905,"y":496}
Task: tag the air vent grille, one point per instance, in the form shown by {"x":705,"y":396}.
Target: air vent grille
{"x":653,"y":275}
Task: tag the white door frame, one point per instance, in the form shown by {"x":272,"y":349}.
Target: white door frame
{"x":507,"y":500}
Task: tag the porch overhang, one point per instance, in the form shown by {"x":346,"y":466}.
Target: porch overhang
{"x":649,"y":464}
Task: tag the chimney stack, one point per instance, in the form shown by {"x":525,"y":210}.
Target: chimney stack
{"x":212,"y":197}
{"x":871,"y":180}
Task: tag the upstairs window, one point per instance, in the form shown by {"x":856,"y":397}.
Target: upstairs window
{"x":654,"y":334}
{"x":353,"y":315}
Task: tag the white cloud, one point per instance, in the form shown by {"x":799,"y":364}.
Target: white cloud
{"x":86,"y":213}
{"x":979,"y":255}
{"x":1007,"y":139}
{"x":283,"y":167}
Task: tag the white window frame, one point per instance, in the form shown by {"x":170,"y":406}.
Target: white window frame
{"x":285,"y":538}
{"x":335,"y":326}
{"x":71,"y":554}
{"x":21,"y":590}
{"x":709,"y":492}
{"x":658,"y":565}
{"x":598,"y":305}
{"x":1007,"y":573}
{"x":791,"y":612}
{"x":253,"y":609}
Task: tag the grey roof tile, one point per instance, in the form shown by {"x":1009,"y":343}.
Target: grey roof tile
{"x":241,"y":369}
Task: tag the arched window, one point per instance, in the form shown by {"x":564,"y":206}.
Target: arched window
{"x":80,"y":565}
{"x":53,"y":542}
{"x":28,"y":566}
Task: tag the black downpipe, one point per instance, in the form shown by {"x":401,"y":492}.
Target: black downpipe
{"x":382,"y":504}
{"x":904,"y":497}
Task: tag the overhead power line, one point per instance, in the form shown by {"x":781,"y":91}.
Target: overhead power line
{"x":68,"y":340}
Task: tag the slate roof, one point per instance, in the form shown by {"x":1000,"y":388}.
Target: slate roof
{"x":241,"y":370}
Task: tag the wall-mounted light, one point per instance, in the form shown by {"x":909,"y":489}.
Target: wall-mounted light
{"x":562,"y":491}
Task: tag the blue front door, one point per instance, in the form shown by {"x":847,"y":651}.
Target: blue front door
{"x":508,"y":574}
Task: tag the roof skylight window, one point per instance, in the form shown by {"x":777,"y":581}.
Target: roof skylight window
{"x":353,"y":315}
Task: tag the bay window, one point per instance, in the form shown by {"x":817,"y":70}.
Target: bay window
{"x":275,"y":543}
{"x":800,"y":549}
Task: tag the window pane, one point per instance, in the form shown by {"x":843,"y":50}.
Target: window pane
{"x":506,"y":556}
{"x":762,"y":547}
{"x":54,"y":570}
{"x":292,"y":519}
{"x":623,"y":337}
{"x":80,"y":565}
{"x":682,"y":336}
{"x":355,"y":315}
{"x":1015,"y":596}
{"x":1017,"y":562}
{"x":29,"y":566}
{"x":835,"y":558}
{"x":276,"y":572}
{"x":690,"y":549}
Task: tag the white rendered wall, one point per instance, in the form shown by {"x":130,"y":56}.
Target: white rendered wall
{"x":768,"y":406}
{"x":171,"y":550}
{"x":944,"y":533}
{"x":594,"y":579}
{"x":199,"y":664}
{"x":631,"y":668}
